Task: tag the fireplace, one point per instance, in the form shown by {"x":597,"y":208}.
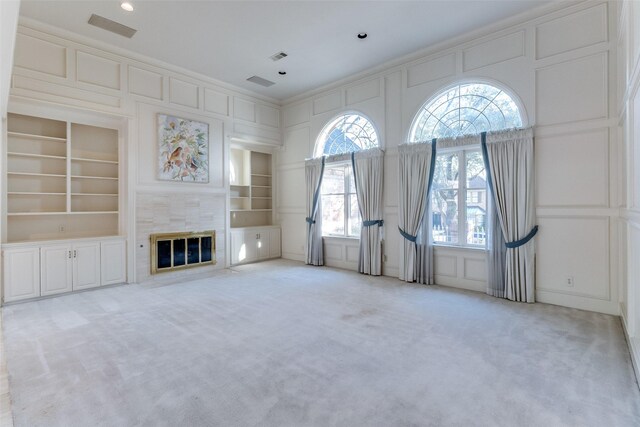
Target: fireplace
{"x":176,"y":251}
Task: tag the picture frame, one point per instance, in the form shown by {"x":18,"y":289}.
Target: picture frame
{"x":183,"y":149}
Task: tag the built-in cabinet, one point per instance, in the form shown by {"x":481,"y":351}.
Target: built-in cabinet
{"x":62,"y":180}
{"x":63,"y":266}
{"x":251,"y":190}
{"x":62,"y":212}
{"x":255,"y":244}
{"x":253,"y":235}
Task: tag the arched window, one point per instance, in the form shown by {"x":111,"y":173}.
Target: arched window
{"x":465,"y":109}
{"x":459,"y":189}
{"x":345,"y":134}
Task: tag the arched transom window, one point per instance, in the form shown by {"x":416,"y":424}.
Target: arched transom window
{"x":463,"y":110}
{"x":346,"y":133}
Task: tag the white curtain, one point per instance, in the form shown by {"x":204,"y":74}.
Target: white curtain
{"x":314,"y":168}
{"x":510,"y":171}
{"x":415,"y":163}
{"x":497,"y":250}
{"x":368,"y":168}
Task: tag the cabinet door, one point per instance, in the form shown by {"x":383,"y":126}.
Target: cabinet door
{"x":251,"y":245}
{"x":238,"y":249}
{"x":56,"y":269}
{"x":274,"y":243}
{"x":21,"y":274}
{"x":263,"y":244}
{"x":86,"y":265}
{"x":113,"y":255}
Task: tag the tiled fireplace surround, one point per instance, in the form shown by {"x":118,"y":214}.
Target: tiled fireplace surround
{"x":177,"y":212}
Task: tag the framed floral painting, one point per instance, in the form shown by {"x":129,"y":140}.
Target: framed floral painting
{"x":183,"y":149}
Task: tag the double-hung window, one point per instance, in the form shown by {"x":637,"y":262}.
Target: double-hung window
{"x":459,"y":198}
{"x":340,"y":214}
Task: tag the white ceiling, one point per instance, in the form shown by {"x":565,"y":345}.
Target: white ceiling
{"x":233,"y":40}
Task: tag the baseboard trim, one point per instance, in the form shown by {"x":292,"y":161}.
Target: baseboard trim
{"x":634,"y":350}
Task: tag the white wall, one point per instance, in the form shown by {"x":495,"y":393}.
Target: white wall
{"x":628,"y":164}
{"x":9,"y":10}
{"x":75,"y":75}
{"x":560,"y":63}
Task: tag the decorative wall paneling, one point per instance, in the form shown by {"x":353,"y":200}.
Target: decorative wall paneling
{"x":69,"y":70}
{"x":560,"y":63}
{"x":628,"y":162}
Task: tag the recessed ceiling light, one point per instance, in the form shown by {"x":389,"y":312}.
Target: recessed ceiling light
{"x":282,"y":73}
{"x":126,"y":6}
{"x":362,"y":36}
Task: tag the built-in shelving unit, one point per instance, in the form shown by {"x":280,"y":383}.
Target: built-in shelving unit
{"x":250,"y":188}
{"x":58,"y":172}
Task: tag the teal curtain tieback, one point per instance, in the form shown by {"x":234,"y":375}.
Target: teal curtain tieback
{"x":373,"y":222}
{"x":407,"y":236}
{"x":310,"y":221}
{"x":523,"y":241}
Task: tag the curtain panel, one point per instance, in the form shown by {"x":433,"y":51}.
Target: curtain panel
{"x":415,"y":172}
{"x":368,"y":166}
{"x":510,"y":172}
{"x":314,"y":168}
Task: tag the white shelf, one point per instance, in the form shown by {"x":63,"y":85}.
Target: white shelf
{"x":261,"y":186}
{"x":35,"y":213}
{"x":32,"y":193}
{"x":37,"y":156}
{"x":261,"y":175}
{"x":47,"y":175}
{"x":92,"y":212}
{"x":264,"y":198}
{"x":81,"y":159}
{"x":34,"y":136}
{"x":93,"y":177}
{"x":239,"y":197}
{"x":94,"y":194}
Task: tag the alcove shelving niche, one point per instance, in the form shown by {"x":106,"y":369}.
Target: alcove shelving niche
{"x":253,"y":235}
{"x":250,"y":188}
{"x":62,"y":180}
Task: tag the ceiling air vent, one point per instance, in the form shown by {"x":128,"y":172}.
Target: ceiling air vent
{"x":113,"y":26}
{"x":278,"y":56}
{"x":260,"y":81}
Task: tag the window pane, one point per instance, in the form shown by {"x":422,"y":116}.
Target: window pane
{"x":444,"y":208}
{"x":332,"y":214}
{"x":445,"y":174}
{"x":352,"y":180}
{"x":476,"y":175}
{"x":355,"y":221}
{"x":476,"y":217}
{"x":333,"y":180}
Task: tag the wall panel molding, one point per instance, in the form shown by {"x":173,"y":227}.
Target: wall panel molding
{"x":494,"y":51}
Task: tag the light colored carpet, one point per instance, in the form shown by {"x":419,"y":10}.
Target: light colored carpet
{"x":282,"y":344}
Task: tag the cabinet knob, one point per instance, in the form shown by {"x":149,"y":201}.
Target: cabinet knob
{"x":75,"y":254}
{"x":69,"y":254}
